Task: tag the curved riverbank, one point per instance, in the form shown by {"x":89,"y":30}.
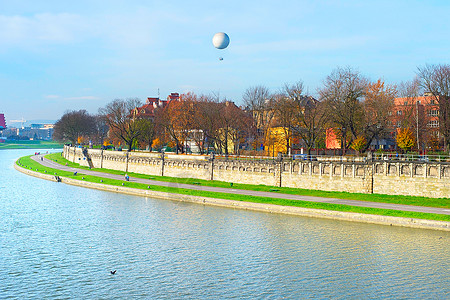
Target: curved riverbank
{"x":271,"y":208}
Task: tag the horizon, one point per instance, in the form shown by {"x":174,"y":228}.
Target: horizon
{"x":57,"y":56}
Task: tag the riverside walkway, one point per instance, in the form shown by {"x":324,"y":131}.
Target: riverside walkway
{"x":423,"y":209}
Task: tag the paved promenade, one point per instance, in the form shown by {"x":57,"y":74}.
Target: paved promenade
{"x":434,"y":210}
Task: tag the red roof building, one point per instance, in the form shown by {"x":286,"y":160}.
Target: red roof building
{"x":148,"y":109}
{"x":2,"y":122}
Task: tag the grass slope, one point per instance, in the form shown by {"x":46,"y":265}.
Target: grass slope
{"x":394,"y":199}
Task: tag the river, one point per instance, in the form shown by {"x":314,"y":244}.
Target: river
{"x":62,"y":242}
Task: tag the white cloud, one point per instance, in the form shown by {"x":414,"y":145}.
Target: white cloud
{"x":56,"y":28}
{"x":51,"y":96}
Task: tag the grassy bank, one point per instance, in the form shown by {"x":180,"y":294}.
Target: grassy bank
{"x":30,"y":145}
{"x":27,"y":162}
{"x":394,"y":199}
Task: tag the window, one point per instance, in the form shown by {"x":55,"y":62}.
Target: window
{"x":433,"y":124}
{"x":432,"y":102}
{"x":433,"y":112}
{"x":405,"y":103}
{"x":399,"y":112}
{"x":389,"y":113}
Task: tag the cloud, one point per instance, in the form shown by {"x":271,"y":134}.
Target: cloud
{"x":51,"y":96}
{"x":130,"y":30}
{"x":54,"y":28}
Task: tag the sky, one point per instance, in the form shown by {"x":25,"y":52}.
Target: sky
{"x":57,"y":56}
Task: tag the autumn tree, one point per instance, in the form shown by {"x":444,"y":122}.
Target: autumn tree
{"x":405,"y":139}
{"x":359,"y":144}
{"x":206,"y":120}
{"x":377,"y":104}
{"x":343,"y":91}
{"x":408,"y":112}
{"x":435,"y":79}
{"x":73,"y":125}
{"x":123,"y":123}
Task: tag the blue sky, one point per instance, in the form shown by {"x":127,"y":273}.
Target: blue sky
{"x":65,"y":55}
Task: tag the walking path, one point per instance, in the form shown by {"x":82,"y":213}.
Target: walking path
{"x":423,"y":209}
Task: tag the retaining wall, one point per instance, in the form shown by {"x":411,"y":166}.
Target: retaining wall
{"x":385,"y":177}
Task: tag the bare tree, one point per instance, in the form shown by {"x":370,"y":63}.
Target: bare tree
{"x":408,"y":114}
{"x":343,"y":91}
{"x":435,"y":79}
{"x":73,"y":125}
{"x":259,"y":103}
{"x":121,"y":120}
{"x":378,"y":103}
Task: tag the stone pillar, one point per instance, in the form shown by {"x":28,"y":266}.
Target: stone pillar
{"x":278,"y":169}
{"x":211,"y":166}
{"x":368,"y":178}
{"x":162,"y":164}
{"x":101,"y":159}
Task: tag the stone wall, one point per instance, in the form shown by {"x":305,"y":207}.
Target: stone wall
{"x":382,"y":177}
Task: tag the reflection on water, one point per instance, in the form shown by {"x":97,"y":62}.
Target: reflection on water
{"x":60,"y":241}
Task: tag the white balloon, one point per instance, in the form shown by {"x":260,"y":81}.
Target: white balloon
{"x":221,"y":40}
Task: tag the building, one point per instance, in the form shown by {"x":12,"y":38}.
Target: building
{"x":2,"y":122}
{"x":420,"y":114}
{"x":151,"y":104}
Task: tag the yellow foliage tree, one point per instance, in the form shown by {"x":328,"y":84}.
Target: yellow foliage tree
{"x":359,"y":144}
{"x":405,"y":139}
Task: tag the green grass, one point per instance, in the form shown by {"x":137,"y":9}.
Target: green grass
{"x":27,"y":162}
{"x":394,"y":199}
{"x":30,"y":145}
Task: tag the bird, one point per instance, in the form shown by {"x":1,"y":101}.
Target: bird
{"x":113,"y":272}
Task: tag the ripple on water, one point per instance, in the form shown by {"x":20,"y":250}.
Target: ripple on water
{"x":61,"y":242}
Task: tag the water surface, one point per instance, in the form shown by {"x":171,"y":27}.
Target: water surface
{"x":61,"y":242}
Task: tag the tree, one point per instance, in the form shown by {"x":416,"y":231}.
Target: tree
{"x":259,"y":103}
{"x":232,"y":124}
{"x":343,"y":91}
{"x":121,"y":121}
{"x":405,"y":139}
{"x":73,"y":125}
{"x":147,"y":135}
{"x":359,"y":144}
{"x":176,"y":119}
{"x":378,"y":103}
{"x":435,"y":79}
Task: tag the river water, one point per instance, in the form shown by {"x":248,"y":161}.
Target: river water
{"x":61,"y":242}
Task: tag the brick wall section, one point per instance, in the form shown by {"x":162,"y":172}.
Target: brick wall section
{"x":388,"y":177}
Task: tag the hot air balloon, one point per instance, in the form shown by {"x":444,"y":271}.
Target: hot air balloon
{"x":221,"y":40}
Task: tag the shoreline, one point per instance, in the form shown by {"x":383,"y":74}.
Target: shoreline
{"x":269,"y":208}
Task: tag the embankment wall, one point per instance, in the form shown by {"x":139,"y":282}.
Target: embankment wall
{"x":382,"y":177}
